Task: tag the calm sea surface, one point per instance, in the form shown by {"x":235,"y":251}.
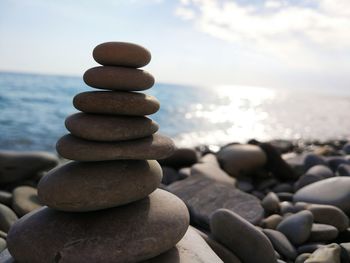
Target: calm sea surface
{"x":33,"y":109}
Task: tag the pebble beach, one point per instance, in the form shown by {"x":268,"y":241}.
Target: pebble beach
{"x":120,"y":190}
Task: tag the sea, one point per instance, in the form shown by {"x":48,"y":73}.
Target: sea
{"x":33,"y":108}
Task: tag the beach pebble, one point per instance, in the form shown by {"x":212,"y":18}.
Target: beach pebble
{"x":7,"y":218}
{"x":312,"y":159}
{"x":343,"y":170}
{"x":228,"y":228}
{"x":297,"y":227}
{"x":326,"y":254}
{"x":212,"y":171}
{"x":322,"y":232}
{"x":118,"y":78}
{"x":272,"y":221}
{"x":335,"y":161}
{"x":287,"y":207}
{"x":116,"y":103}
{"x":296,"y":162}
{"x":330,"y":215}
{"x":90,"y":186}
{"x":5,"y":198}
{"x":240,"y":159}
{"x":151,"y":148}
{"x":302,"y":257}
{"x":285,"y":196}
{"x":314,"y":174}
{"x":271,"y":203}
{"x":129,"y":233}
{"x":281,"y":244}
{"x":225,"y":254}
{"x":191,"y":248}
{"x":16,"y":166}
{"x":309,"y":247}
{"x":283,"y":188}
{"x":98,"y":127}
{"x":170,"y":175}
{"x":203,"y":196}
{"x":181,"y":157}
{"x":3,"y":245}
{"x":121,"y":54}
{"x":331,"y":191}
{"x":25,"y":200}
{"x":3,"y":234}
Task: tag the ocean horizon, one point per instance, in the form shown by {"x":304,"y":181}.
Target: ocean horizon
{"x":34,"y":107}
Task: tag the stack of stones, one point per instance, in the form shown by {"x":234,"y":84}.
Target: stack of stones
{"x":105,"y":206}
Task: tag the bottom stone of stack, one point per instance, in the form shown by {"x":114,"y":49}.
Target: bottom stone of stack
{"x":129,"y":233}
{"x":191,"y":248}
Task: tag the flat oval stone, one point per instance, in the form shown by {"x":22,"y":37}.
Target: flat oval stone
{"x":116,"y":102}
{"x":150,"y":148}
{"x":129,"y":233}
{"x":297,"y":227}
{"x":97,"y":127}
{"x":330,"y":191}
{"x":118,"y":78}
{"x":281,"y":244}
{"x":89,"y":186}
{"x":241,"y":237}
{"x":322,"y":232}
{"x":121,"y":54}
{"x":191,"y":249}
{"x":329,"y":253}
{"x":25,"y":200}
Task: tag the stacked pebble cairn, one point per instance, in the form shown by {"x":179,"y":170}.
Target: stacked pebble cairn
{"x":105,"y":206}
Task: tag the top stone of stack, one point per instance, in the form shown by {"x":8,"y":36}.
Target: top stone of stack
{"x":121,"y":54}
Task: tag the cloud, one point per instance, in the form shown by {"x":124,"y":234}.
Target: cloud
{"x":303,"y":33}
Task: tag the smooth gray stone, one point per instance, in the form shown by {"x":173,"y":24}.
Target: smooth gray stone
{"x":240,"y":237}
{"x":225,"y":254}
{"x":266,"y":184}
{"x":297,"y":227}
{"x":130,"y":233}
{"x":203,"y":196}
{"x":287,"y":207}
{"x":5,"y":257}
{"x":271,"y":203}
{"x":281,"y":244}
{"x":331,"y":191}
{"x":295,"y":161}
{"x":25,"y":200}
{"x":330,"y":215}
{"x":322,"y":232}
{"x":314,"y":174}
{"x":283,"y":188}
{"x":17,"y":166}
{"x":241,"y":159}
{"x":191,"y":248}
{"x":7,"y":218}
{"x":335,"y":161}
{"x":284,"y":196}
{"x":343,"y":170}
{"x":92,"y":186}
{"x":272,"y":221}
{"x":326,"y":254}
{"x":212,"y":171}
{"x":302,"y":257}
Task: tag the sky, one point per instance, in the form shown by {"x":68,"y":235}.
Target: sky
{"x":295,"y":44}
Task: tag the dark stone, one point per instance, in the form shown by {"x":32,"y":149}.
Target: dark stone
{"x":343,"y":170}
{"x":183,"y":157}
{"x":281,"y":244}
{"x":170,"y":175}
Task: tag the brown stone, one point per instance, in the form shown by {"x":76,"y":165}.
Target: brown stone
{"x":129,"y":233}
{"x":25,"y":200}
{"x":191,"y":249}
{"x":121,"y":54}
{"x":116,"y":102}
{"x":98,"y":127}
{"x":89,"y":186}
{"x":149,"y":148}
{"x":118,"y":78}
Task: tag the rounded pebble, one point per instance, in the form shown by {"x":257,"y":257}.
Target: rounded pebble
{"x":80,"y":186}
{"x":118,"y":78}
{"x":25,"y":200}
